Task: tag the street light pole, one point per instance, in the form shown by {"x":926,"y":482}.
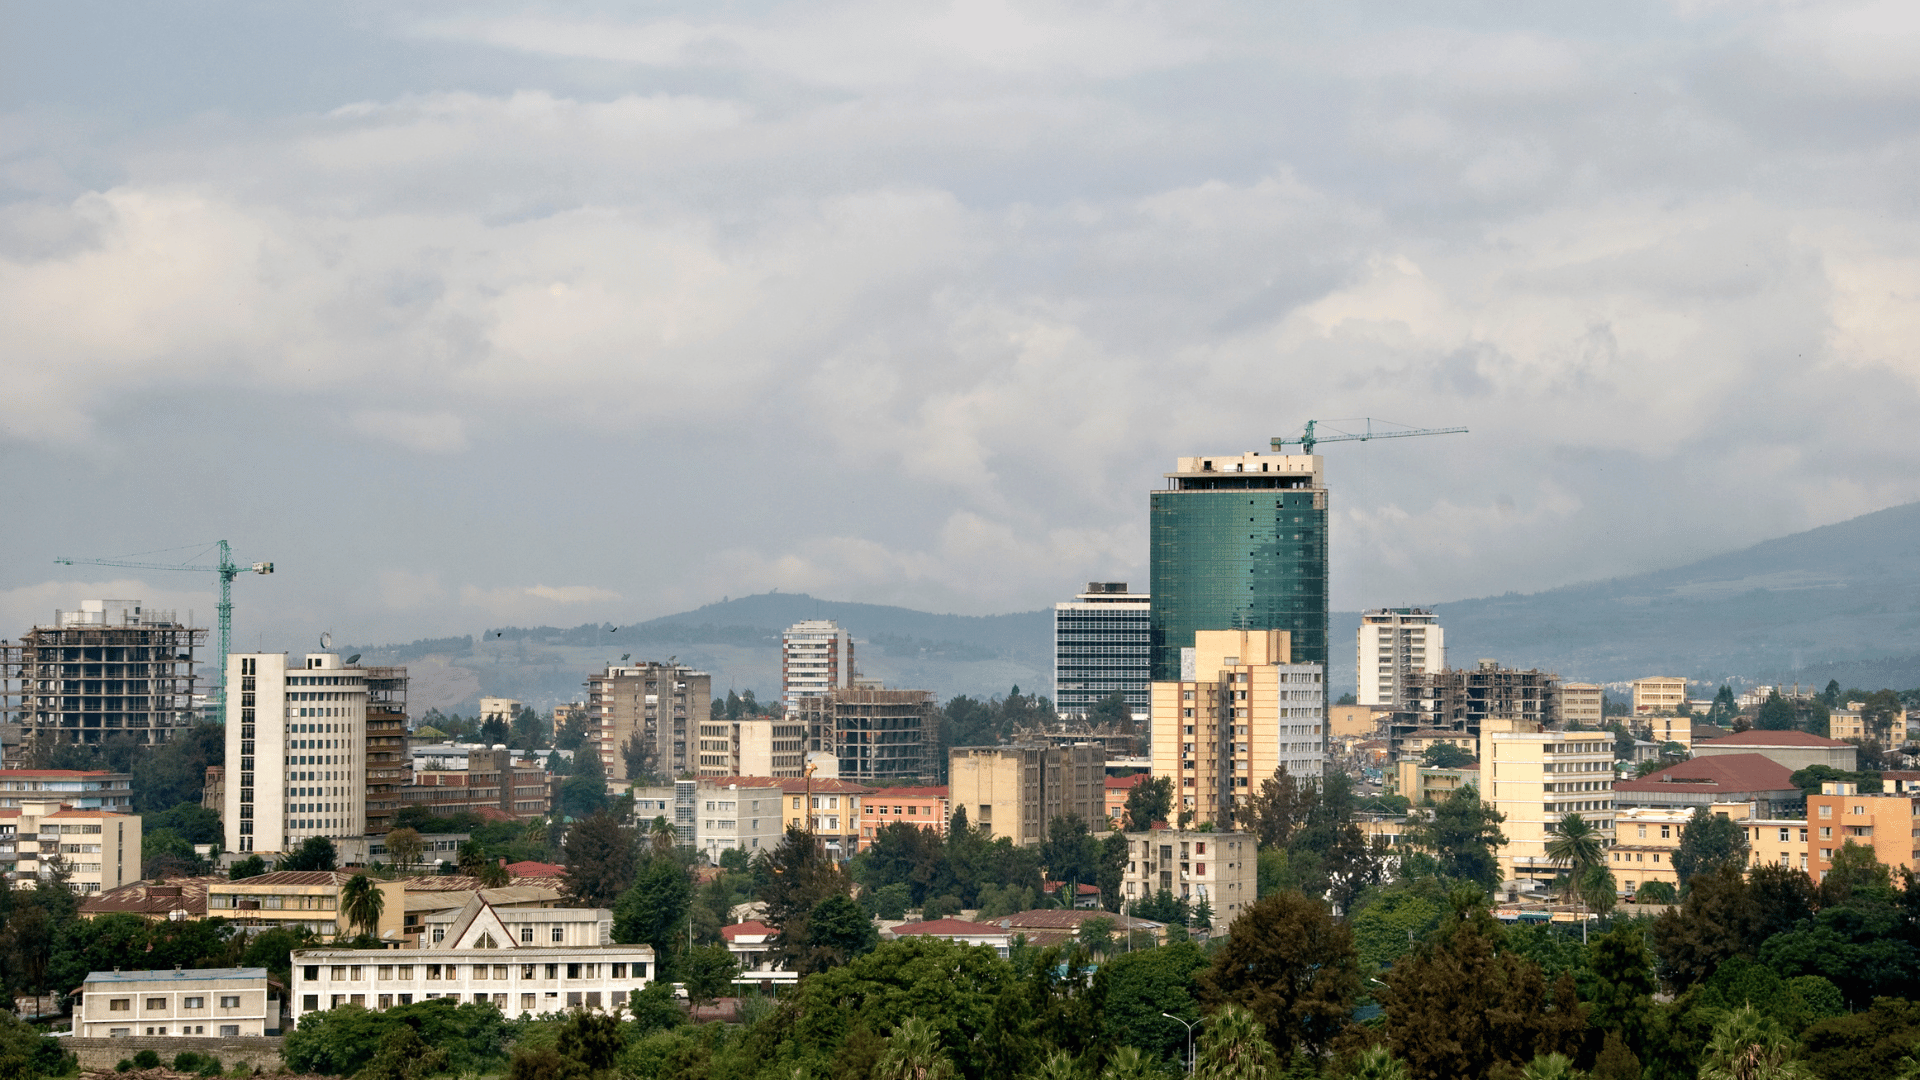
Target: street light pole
{"x":1189,"y":1028}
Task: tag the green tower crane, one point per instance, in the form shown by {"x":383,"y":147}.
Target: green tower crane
{"x":228,"y":570}
{"x":1308,"y":440}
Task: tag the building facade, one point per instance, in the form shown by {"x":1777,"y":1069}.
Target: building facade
{"x":1240,"y":710}
{"x":1395,"y":643}
{"x":1659,"y":695}
{"x":921,"y":807}
{"x":300,"y":740}
{"x":815,"y":656}
{"x":1841,"y":814}
{"x":648,"y":712}
{"x":755,"y":746}
{"x":877,"y":736}
{"x":1794,"y":750}
{"x":92,"y":789}
{"x":1536,"y":777}
{"x":1239,"y":543}
{"x":472,"y":779}
{"x":1583,"y":704}
{"x":291,"y":899}
{"x":1102,"y":644}
{"x":742,"y":812}
{"x":1016,"y":791}
{"x":93,"y":850}
{"x":1218,"y":867}
{"x":388,"y":768}
{"x":206,"y":1003}
{"x":114,"y":667}
{"x":1461,"y":699}
{"x":830,"y":809}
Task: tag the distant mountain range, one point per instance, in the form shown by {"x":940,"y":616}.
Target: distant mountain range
{"x":1839,"y":602}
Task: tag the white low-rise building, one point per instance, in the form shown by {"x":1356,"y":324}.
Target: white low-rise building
{"x":527,"y":961}
{"x":209,"y":1003}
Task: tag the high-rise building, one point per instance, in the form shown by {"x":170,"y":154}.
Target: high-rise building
{"x":647,"y":713}
{"x":877,"y":736}
{"x":1395,"y":643}
{"x":1537,"y":776}
{"x":1239,"y":543}
{"x":815,"y":656}
{"x":113,"y":668}
{"x":1016,"y":791}
{"x":1583,"y":704}
{"x":300,"y":744}
{"x":1102,"y":639}
{"x":389,"y":765}
{"x":1457,"y":700}
{"x":1239,"y":710}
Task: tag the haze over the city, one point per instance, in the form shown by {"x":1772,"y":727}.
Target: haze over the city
{"x":483,"y":314}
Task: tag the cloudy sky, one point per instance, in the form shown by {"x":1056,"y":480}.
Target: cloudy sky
{"x":471,"y":314}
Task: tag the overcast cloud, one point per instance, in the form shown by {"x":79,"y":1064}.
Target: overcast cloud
{"x":471,"y":314}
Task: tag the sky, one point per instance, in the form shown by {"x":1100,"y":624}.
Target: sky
{"x":483,"y":314}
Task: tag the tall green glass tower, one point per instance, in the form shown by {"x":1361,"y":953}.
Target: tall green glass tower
{"x":1240,"y":543}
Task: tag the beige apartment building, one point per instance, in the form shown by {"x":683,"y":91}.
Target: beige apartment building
{"x":1240,"y":711}
{"x":1422,"y":782}
{"x":1220,"y":867}
{"x":659,"y":705}
{"x":1394,"y":643}
{"x":304,"y":898}
{"x":1647,"y":837}
{"x":1015,"y":791}
{"x":1659,"y":694}
{"x":1842,"y":814}
{"x":1361,"y":721}
{"x":1583,"y":704}
{"x":1535,"y":777}
{"x":207,"y":1003}
{"x":97,"y":850}
{"x":759,"y":747}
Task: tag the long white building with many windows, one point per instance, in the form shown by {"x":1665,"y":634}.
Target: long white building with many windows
{"x":1102,"y":642}
{"x":298,"y":734}
{"x":1394,"y":644}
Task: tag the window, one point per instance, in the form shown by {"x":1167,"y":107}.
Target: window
{"x":119,"y":1004}
{"x":480,"y":972}
{"x":156,"y":1003}
{"x":526,"y":971}
{"x":526,"y":934}
{"x":386,"y":1001}
{"x":527,"y":1002}
{"x":1826,"y":811}
{"x":193,"y":1003}
{"x":309,"y":1002}
{"x":433,"y":971}
{"x":406,"y":971}
{"x":573,"y":999}
{"x":386,"y":971}
{"x":339,"y":972}
{"x":559,"y":934}
{"x":553,"y":971}
{"x":619,"y":971}
{"x":229,"y":1031}
{"x":573,"y":972}
{"x":499,"y":971}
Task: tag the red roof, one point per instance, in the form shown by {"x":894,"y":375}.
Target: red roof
{"x":1715,"y":774}
{"x":939,"y":792}
{"x":1122,"y":783}
{"x":6,"y":773}
{"x":535,"y":869}
{"x":798,"y":786}
{"x":749,"y":928}
{"x":493,"y":813}
{"x":947,"y":928}
{"x":741,"y":781}
{"x":1756,"y":737}
{"x":1084,"y":890}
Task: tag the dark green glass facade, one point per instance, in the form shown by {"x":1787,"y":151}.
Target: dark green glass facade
{"x":1238,"y":551}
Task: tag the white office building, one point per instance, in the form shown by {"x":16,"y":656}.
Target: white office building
{"x":1102,"y":644}
{"x":298,"y":736}
{"x":1394,"y":644}
{"x":815,"y":656}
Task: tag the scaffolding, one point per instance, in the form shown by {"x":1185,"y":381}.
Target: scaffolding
{"x":389,"y":764}
{"x":110,"y":669}
{"x":1456,"y":700}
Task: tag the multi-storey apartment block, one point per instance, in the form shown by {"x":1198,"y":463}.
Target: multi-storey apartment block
{"x":1017,"y":791}
{"x":815,"y":656}
{"x":1461,"y":699}
{"x":92,"y":850}
{"x":1240,"y":710}
{"x":921,"y":807}
{"x":299,"y":734}
{"x":93,"y":789}
{"x":1102,"y":641}
{"x":760,"y":746}
{"x":388,"y":771}
{"x":648,"y":713}
{"x":1239,"y":542}
{"x":1219,"y":867}
{"x":1659,"y":695}
{"x":451,"y":779}
{"x":1841,"y":814}
{"x":112,"y":668}
{"x":1394,"y":643}
{"x":1583,"y":704}
{"x":291,"y":899}
{"x":879,"y":736}
{"x":1538,"y":776}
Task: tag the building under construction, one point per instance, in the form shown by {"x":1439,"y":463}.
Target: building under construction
{"x":879,"y":736}
{"x":111,"y":669}
{"x":389,"y":763}
{"x":1458,"y":699}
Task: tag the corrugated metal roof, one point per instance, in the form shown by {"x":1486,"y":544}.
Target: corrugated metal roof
{"x":168,"y":976}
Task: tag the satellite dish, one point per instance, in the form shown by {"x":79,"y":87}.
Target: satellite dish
{"x":354,"y":659}
{"x":326,"y":639}
{"x":625,"y":656}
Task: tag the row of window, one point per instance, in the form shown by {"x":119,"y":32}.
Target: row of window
{"x":159,"y":1004}
{"x":480,"y":972}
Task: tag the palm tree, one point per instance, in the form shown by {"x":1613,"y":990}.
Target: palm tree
{"x":1058,"y":1066}
{"x":362,"y":902}
{"x":471,"y":856}
{"x":1549,"y":1067}
{"x":1378,"y":1063}
{"x":1128,"y":1063}
{"x":913,"y":1053}
{"x":1746,"y":1046}
{"x":1572,"y":843}
{"x":1234,"y":1048}
{"x":492,"y":875}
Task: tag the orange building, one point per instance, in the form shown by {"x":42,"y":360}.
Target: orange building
{"x":1118,"y":788}
{"x":1884,"y":822}
{"x":925,"y":807}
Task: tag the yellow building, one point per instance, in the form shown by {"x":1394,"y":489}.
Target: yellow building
{"x":1841,"y":814}
{"x":1240,"y":711}
{"x":97,"y":850}
{"x":309,"y":898}
{"x":1647,"y":837}
{"x":1582,"y":704}
{"x":1658,"y":695}
{"x":1535,"y":777}
{"x":1363,"y":721}
{"x":1420,"y":782}
{"x":1418,"y":742}
{"x":829,"y":808}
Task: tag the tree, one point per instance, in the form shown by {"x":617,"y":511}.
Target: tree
{"x":1149,"y":801}
{"x":402,"y":1055}
{"x":1282,"y":808}
{"x":1655,"y":892}
{"x":1746,"y":1046}
{"x":1445,"y":755}
{"x":1462,"y":834}
{"x":837,"y":931}
{"x":251,"y":866}
{"x":362,"y":902}
{"x":1776,"y":714}
{"x":317,"y":853}
{"x":584,"y":792}
{"x":1576,"y":847}
{"x":653,"y":910}
{"x":1879,"y":712}
{"x":1139,"y":987}
{"x":405,"y":848}
{"x":1707,"y":841}
{"x":1232,"y":1048}
{"x":1289,"y":964}
{"x":1378,"y":1063}
{"x":914,"y":1053}
{"x":1623,"y":985}
{"x":1070,"y":854}
{"x":600,"y":857}
{"x":1716,"y":922}
{"x":709,"y":973}
{"x":801,"y":876}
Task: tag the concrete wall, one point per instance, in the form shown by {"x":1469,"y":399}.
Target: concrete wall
{"x":262,"y":1053}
